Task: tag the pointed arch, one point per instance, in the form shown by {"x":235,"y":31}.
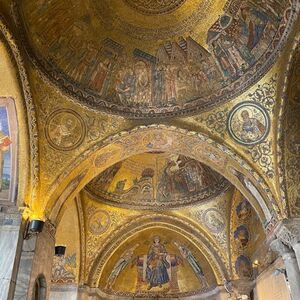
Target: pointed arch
{"x":288,"y":110}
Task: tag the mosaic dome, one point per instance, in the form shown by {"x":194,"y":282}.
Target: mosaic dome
{"x":157,"y":58}
{"x":157,"y":181}
{"x":154,"y":7}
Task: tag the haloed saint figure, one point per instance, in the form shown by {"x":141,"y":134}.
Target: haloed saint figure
{"x":5,"y":153}
{"x":157,"y":264}
{"x":248,"y":123}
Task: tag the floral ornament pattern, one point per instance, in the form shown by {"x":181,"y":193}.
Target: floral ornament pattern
{"x":262,"y":154}
{"x":216,"y":121}
{"x":265,"y":94}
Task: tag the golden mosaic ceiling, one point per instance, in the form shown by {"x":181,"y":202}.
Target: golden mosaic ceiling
{"x":155,"y":7}
{"x":154,"y":58}
{"x":180,"y":276}
{"x":157,"y":181}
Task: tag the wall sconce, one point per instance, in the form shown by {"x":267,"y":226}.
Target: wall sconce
{"x":60,"y":250}
{"x":255,"y":266}
{"x":33,"y":227}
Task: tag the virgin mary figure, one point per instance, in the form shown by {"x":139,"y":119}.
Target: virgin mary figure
{"x":157,"y":264}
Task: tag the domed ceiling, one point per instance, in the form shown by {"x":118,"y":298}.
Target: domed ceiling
{"x":154,"y":58}
{"x":157,"y":181}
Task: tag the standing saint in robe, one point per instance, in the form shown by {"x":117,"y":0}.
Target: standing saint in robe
{"x":120,"y":265}
{"x":188,"y":255}
{"x":4,"y":147}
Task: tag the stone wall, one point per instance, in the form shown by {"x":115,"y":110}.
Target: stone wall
{"x":10,"y":244}
{"x":272,"y":287}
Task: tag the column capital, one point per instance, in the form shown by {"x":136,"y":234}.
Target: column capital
{"x":288,"y":231}
{"x":243,"y":286}
{"x":279,"y":247}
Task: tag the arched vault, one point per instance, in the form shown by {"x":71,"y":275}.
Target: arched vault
{"x":162,"y":138}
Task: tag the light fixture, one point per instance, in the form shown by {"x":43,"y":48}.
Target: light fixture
{"x":60,"y":250}
{"x":33,"y":227}
{"x":36,"y":226}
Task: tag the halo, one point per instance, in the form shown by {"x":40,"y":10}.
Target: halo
{"x":242,"y":109}
{"x":234,"y":117}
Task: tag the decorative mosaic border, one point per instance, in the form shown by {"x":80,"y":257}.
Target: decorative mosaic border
{"x":281,"y":134}
{"x":108,"y":198}
{"x":7,"y":37}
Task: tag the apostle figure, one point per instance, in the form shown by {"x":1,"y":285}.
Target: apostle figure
{"x":157,"y":264}
{"x":252,"y":128}
{"x":188,"y":255}
{"x":120,"y":265}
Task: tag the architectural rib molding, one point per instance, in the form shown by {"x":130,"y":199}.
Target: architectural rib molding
{"x":50,"y":229}
{"x":14,"y":51}
{"x":289,"y":232}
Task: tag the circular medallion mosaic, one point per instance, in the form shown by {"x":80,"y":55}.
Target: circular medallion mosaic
{"x":154,"y":7}
{"x":99,"y":222}
{"x":214,"y":220}
{"x":65,"y":129}
{"x":248,"y":123}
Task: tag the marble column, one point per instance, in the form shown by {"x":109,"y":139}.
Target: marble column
{"x":25,"y":267}
{"x":296,"y":248}
{"x":291,"y":265}
{"x":10,"y":247}
{"x":288,"y":231}
{"x":62,"y":292}
{"x":36,"y":259}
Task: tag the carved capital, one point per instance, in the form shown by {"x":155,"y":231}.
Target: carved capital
{"x":288,"y":232}
{"x":243,"y":286}
{"x":279,"y":247}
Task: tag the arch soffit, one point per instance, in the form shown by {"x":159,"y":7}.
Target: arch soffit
{"x":157,"y":138}
{"x":26,"y":116}
{"x":283,"y":105}
{"x":178,"y":225}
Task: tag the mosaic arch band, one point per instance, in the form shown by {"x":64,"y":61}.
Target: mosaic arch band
{"x":8,"y":151}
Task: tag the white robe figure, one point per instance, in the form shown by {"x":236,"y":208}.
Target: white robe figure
{"x":188,"y":255}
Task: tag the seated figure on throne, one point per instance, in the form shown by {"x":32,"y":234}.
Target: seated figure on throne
{"x":157,"y":264}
